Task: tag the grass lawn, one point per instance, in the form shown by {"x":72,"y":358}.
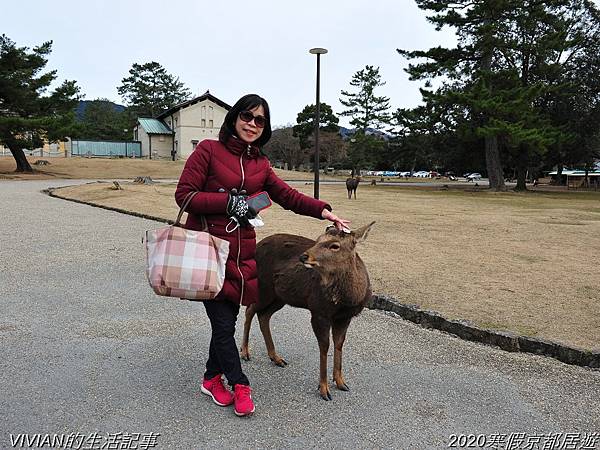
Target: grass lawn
{"x":520,"y":262}
{"x":106,"y":168}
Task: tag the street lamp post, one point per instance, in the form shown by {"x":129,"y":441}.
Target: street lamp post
{"x":317,"y":51}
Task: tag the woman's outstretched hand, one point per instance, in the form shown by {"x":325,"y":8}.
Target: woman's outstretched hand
{"x":340,"y":224}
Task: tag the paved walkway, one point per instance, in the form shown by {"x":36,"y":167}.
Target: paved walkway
{"x":87,"y":347}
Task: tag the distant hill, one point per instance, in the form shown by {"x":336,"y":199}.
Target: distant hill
{"x":83,"y":104}
{"x":347,"y":133}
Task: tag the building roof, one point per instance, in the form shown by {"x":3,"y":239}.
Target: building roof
{"x":206,"y":96}
{"x":154,"y":126}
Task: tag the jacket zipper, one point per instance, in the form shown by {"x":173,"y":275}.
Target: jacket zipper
{"x":239,"y":233}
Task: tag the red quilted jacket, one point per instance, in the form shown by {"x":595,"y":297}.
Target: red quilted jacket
{"x":214,"y":169}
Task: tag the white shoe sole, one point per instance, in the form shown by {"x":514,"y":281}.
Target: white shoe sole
{"x":242,"y":414}
{"x":207,"y":392}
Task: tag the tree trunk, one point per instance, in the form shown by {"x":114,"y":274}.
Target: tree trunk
{"x":492,"y":162}
{"x":521,"y":170}
{"x":559,"y":169}
{"x":492,"y":152}
{"x":22,"y":163}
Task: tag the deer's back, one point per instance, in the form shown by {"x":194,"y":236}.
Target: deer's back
{"x":351,"y":183}
{"x":280,"y":269}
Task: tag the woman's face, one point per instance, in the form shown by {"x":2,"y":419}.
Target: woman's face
{"x":248,"y":131}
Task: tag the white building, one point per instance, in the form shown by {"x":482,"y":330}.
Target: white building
{"x":178,"y":130}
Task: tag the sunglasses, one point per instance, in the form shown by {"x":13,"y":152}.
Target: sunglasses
{"x":247,"y":117}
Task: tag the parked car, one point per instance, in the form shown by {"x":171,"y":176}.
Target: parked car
{"x":421,"y":174}
{"x":473,"y":176}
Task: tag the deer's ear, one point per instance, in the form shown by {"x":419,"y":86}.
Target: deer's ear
{"x":361,"y":234}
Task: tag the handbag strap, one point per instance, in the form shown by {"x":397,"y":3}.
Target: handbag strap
{"x":184,"y":205}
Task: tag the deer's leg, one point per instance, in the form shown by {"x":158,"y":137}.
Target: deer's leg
{"x":264,"y":318}
{"x":321,"y":327}
{"x":338,"y":330}
{"x":245,"y":349}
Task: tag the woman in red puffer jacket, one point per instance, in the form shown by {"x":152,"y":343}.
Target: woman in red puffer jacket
{"x":225,"y":172}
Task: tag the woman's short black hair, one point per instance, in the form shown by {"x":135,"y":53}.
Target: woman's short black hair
{"x":246,"y":103}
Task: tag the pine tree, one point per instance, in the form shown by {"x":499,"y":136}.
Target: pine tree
{"x":366,"y":109}
{"x":150,"y":89}
{"x":506,"y":51}
{"x":305,"y":123}
{"x":29,"y":116}
{"x":574,"y":105}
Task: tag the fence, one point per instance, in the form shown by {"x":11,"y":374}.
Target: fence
{"x":36,"y":152}
{"x":110,"y":149}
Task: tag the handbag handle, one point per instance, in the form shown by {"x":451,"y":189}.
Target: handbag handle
{"x":184,"y":205}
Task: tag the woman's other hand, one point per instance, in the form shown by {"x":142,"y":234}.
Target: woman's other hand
{"x":340,"y":224}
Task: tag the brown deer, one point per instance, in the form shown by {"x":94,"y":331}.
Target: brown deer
{"x":352,"y":185}
{"x":325,"y":276}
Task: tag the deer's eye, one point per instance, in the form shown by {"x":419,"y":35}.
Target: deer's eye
{"x":335,"y":246}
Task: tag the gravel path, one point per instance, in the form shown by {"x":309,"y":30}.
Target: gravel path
{"x":87,"y":347}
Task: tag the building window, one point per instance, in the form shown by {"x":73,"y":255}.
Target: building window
{"x":194,"y":143}
{"x":203,"y":123}
{"x":210,"y":124}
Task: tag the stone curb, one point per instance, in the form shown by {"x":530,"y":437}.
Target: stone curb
{"x":51,"y":192}
{"x":429,"y":319}
{"x":505,"y":340}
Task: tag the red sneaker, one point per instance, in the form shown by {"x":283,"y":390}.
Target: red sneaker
{"x":217,"y":390}
{"x":244,"y":405}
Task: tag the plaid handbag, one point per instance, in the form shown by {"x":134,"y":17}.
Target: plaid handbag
{"x":185,"y":263}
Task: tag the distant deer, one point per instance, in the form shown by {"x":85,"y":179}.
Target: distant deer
{"x":325,"y":276}
{"x":351,"y":185}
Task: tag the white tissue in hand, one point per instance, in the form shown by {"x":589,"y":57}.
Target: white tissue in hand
{"x":257,"y":222}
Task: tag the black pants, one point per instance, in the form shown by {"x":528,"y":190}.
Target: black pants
{"x":223,"y":356}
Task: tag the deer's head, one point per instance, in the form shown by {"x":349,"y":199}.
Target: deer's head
{"x":335,"y":250}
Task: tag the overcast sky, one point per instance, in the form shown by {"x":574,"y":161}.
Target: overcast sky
{"x":230,"y":47}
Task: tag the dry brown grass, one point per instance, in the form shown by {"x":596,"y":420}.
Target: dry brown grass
{"x":104,"y":168}
{"x":521,"y":262}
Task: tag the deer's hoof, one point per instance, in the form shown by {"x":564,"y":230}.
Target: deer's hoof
{"x":245,"y":354}
{"x":279,"y":361}
{"x":343,"y":387}
{"x":326,"y":396}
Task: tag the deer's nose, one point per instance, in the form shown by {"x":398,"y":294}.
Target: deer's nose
{"x":303,"y":257}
